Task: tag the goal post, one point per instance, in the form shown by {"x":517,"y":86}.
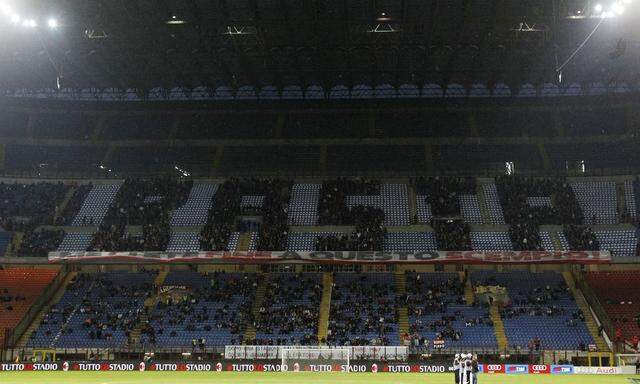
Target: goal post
{"x":320,"y":358}
{"x":627,"y":359}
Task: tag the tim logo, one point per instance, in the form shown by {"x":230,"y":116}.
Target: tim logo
{"x":561,"y":369}
{"x":517,"y":369}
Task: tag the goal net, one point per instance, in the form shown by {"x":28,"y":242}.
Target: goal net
{"x":319,"y":359}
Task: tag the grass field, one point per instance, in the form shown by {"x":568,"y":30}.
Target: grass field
{"x":273,"y":378}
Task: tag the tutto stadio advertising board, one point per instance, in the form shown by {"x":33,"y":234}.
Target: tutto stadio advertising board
{"x":250,"y":366}
{"x":222,"y":366}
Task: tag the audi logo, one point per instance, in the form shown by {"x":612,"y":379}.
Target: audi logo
{"x":494,"y":367}
{"x":539,"y":367}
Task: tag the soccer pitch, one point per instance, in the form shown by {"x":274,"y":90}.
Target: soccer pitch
{"x":290,"y":377}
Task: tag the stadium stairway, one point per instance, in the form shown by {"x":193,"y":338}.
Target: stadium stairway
{"x":24,"y":339}
{"x":469,"y":294}
{"x":325,"y":305}
{"x":14,"y":245}
{"x":244,"y":242}
{"x":589,"y":320}
{"x":555,"y":240}
{"x":149,"y":305}
{"x":400,"y":280}
{"x":413,"y":205}
{"x":60,"y":208}
{"x":498,"y":326}
{"x":622,"y":198}
{"x":250,"y":332}
{"x":482,"y":202}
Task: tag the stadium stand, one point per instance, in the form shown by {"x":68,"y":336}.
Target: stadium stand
{"x":438,"y":311}
{"x":96,"y":205}
{"x":423,"y":209}
{"x":74,"y":204}
{"x":393,"y":201}
{"x":289,"y":312}
{"x":97,"y":310}
{"x":548,"y":245}
{"x":470,"y":209}
{"x":306,"y":241}
{"x":39,"y":243}
{"x":541,"y":311}
{"x":27,"y":205}
{"x":630,"y":198}
{"x":19,"y":289}
{"x":621,"y":303}
{"x":383,"y":165}
{"x":75,"y":242}
{"x":363,"y":310}
{"x":410,"y":241}
{"x":195,"y":209}
{"x":598,"y":200}
{"x":184,"y":242}
{"x":215,"y":307}
{"x":493,"y":203}
{"x":303,"y":207}
{"x":491,"y":241}
{"x":621,"y":243}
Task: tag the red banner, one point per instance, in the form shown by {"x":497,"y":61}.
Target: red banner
{"x":336,"y":257}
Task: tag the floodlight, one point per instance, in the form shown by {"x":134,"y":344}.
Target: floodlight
{"x":52,"y":23}
{"x":617,"y":8}
{"x":5,"y":9}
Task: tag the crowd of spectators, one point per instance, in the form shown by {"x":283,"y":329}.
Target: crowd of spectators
{"x":581,"y":238}
{"x":105,"y":307}
{"x":289,"y":313}
{"x":25,"y":206}
{"x":526,"y":219}
{"x":220,"y":222}
{"x":39,"y":243}
{"x":443,"y":193}
{"x":224,"y":304}
{"x":538,"y":301}
{"x":274,"y":230}
{"x":434,"y":298}
{"x":226,"y":208}
{"x":452,"y":234}
{"x":368,"y":234}
{"x":332,"y":205}
{"x":362,"y":312}
{"x":147,"y":203}
{"x":525,"y":236}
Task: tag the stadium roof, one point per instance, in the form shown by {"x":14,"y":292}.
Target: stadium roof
{"x":159,"y":43}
